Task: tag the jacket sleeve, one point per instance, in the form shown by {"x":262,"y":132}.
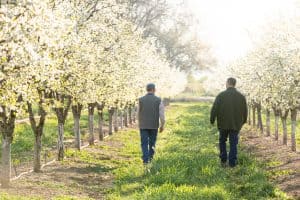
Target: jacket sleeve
{"x":162,"y":114}
{"x":214,"y":110}
{"x":245,"y":111}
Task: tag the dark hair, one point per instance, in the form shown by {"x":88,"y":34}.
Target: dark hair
{"x":150,"y":87}
{"x":231,"y":81}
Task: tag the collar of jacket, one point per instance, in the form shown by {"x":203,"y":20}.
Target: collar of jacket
{"x":150,"y":93}
{"x":231,"y":88}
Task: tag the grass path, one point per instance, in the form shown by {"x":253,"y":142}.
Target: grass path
{"x":186,"y":166}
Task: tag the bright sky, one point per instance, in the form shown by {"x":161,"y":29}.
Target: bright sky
{"x":229,"y":25}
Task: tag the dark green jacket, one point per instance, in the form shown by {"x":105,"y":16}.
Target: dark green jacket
{"x":230,"y":109}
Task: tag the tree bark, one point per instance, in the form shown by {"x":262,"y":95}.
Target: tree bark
{"x":6,"y":162}
{"x":121,"y":119}
{"x":249,"y":115}
{"x":134,"y":114}
{"x":130,"y":115}
{"x":253,"y":116}
{"x":116,"y":124}
{"x":7,"y":127}
{"x":100,"y":121}
{"x":37,"y":153}
{"x":126,"y":117}
{"x":61,"y":114}
{"x":60,"y":142}
{"x":38,"y":131}
{"x":268,"y":118}
{"x":283,"y":116}
{"x":76,"y":110}
{"x":91,"y":109}
{"x":277,"y":115}
{"x":110,"y":119}
{"x":294,"y":125}
{"x":259,"y":119}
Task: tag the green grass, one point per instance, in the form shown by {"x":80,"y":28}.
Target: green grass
{"x":186,"y":165}
{"x":5,"y":196}
{"x":23,"y":142}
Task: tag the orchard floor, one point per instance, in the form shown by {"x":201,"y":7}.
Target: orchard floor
{"x":282,"y":164}
{"x":186,"y":166}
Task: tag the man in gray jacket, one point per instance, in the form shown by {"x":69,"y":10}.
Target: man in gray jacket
{"x":150,"y":110}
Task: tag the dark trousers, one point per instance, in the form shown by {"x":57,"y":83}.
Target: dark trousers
{"x":148,"y":140}
{"x":233,"y":141}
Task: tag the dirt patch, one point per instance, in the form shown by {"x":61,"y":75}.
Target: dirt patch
{"x":281,"y":162}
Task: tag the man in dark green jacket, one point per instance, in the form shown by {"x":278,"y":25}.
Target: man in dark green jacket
{"x":230,"y":110}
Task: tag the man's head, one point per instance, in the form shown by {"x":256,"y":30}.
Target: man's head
{"x":231,"y":82}
{"x":150,"y":88}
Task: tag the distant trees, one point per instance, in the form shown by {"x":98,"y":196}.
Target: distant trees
{"x":174,"y":31}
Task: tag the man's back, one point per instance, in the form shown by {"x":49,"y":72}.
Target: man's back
{"x":230,"y":109}
{"x":148,"y":112}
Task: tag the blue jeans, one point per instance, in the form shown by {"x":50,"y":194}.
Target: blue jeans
{"x":233,"y":141}
{"x":148,"y":140}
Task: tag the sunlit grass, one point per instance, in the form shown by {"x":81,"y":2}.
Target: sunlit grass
{"x":186,"y":165}
{"x":5,"y":196}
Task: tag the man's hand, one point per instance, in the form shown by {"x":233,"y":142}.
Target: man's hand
{"x":161,"y":129}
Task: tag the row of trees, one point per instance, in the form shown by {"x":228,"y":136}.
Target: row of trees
{"x":270,"y":77}
{"x":62,"y":55}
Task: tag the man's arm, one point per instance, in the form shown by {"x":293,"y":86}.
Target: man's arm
{"x":162,"y":116}
{"x":214,"y":110}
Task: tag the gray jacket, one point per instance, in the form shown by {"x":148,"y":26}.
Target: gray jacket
{"x":150,"y":110}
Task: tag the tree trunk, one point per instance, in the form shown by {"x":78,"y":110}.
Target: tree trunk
{"x":121,"y":119}
{"x":284,"y":116}
{"x":91,"y":109}
{"x":268,"y":117}
{"x":294,"y":125}
{"x":249,"y":115}
{"x":130,"y":115}
{"x":76,"y":110}
{"x":38,"y":131}
{"x":276,"y":112}
{"x":100,"y":122}
{"x":7,"y":127}
{"x":253,"y":116}
{"x":126,"y":117}
{"x":259,"y":119}
{"x":6,"y":161}
{"x":116,"y":124}
{"x":134,"y":114}
{"x":61,"y":114}
{"x":110,"y":119}
{"x":60,"y":142}
{"x":37,"y":153}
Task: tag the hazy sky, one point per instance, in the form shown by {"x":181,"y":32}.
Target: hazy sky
{"x":229,"y":25}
